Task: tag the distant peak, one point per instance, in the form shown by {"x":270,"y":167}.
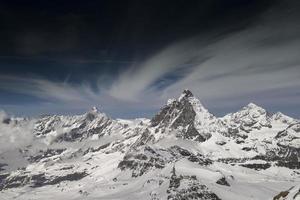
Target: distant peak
{"x":94,"y":109}
{"x":279,"y":114}
{"x":93,"y":113}
{"x":253,"y":106}
{"x":283,"y":117}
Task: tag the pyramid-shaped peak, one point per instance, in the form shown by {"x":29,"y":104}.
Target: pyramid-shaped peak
{"x":253,"y":106}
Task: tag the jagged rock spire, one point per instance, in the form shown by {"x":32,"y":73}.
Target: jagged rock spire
{"x":185,"y":94}
{"x":186,"y":112}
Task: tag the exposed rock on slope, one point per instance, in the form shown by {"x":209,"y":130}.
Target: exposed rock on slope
{"x":187,"y":117}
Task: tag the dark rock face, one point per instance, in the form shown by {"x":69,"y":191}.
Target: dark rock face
{"x":37,"y":180}
{"x":72,"y":135}
{"x":174,"y":180}
{"x":2,"y":165}
{"x":292,"y":164}
{"x":241,"y":162}
{"x":180,"y":153}
{"x":6,"y":121}
{"x":2,"y":179}
{"x":221,"y":143}
{"x":222,"y":181}
{"x":187,"y":93}
{"x":186,"y":115}
{"x":141,"y":163}
{"x":14,"y":181}
{"x":288,"y":157}
{"x":239,"y":141}
{"x":45,"y":154}
{"x":284,"y":194}
{"x":284,"y":156}
{"x":139,"y":168}
{"x":192,"y":188}
{"x":192,"y":134}
{"x":246,"y":148}
{"x":143,"y":160}
{"x":281,"y":195}
{"x":145,"y":138}
{"x":182,"y":111}
{"x":92,"y":149}
{"x":179,"y":114}
{"x":41,"y":180}
{"x":232,"y":160}
{"x":257,"y":166}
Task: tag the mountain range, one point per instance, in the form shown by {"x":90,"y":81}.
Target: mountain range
{"x":183,"y":152}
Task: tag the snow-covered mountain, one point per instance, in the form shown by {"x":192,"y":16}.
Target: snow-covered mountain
{"x":183,"y":152}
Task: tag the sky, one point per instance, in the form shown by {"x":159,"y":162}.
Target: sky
{"x":129,"y":57}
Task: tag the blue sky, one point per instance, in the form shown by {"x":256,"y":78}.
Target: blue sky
{"x":128,"y":59}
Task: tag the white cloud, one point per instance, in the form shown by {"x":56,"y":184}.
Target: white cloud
{"x":238,"y":67}
{"x":253,"y":61}
{"x":14,"y":136}
{"x":136,"y":81}
{"x":45,"y":89}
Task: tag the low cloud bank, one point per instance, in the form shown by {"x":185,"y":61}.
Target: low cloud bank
{"x":14,"y":134}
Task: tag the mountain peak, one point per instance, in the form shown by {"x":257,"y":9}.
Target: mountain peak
{"x":186,"y":94}
{"x":93,"y":113}
{"x":283,"y":118}
{"x":252,"y":110}
{"x":187,"y":115}
{"x":94,"y":109}
{"x":250,"y":117}
{"x":252,"y":105}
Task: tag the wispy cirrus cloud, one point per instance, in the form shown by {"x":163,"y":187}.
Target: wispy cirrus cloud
{"x":13,"y":137}
{"x":48,"y":90}
{"x":219,"y":70}
{"x":139,"y":79}
{"x":257,"y":62}
{"x":260,"y":62}
{"x":65,"y":97}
